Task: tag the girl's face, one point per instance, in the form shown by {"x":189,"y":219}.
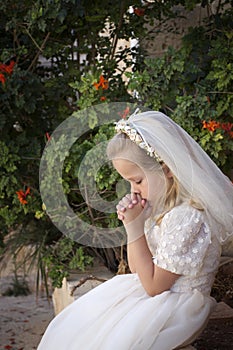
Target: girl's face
{"x":150,"y":185}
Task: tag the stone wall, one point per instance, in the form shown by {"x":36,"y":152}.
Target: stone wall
{"x":162,"y":35}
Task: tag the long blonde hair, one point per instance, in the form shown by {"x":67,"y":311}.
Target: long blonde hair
{"x":120,"y":145}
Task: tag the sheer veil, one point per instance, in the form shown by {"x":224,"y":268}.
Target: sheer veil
{"x":194,"y":169}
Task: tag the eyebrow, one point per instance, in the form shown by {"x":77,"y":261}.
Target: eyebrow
{"x":134,"y":177}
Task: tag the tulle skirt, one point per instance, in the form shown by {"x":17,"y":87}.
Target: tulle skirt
{"x":119,"y":315}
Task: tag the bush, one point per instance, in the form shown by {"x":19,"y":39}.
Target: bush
{"x":53,"y":63}
{"x":194,"y":84}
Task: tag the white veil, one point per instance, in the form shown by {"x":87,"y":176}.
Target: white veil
{"x":194,"y":169}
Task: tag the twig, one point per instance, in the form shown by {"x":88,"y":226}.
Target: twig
{"x":169,"y":108}
{"x":39,"y":51}
{"x":220,"y":92}
{"x":226,"y":260}
{"x":116,"y":37}
{"x":34,"y":41}
{"x":84,"y":280}
{"x":88,"y":204}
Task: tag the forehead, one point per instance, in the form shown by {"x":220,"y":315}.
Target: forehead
{"x":127,"y":169}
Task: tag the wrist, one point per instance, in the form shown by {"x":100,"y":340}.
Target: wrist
{"x":134,"y":232}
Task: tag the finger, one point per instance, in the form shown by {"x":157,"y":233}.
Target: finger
{"x":134,"y":198}
{"x":138,"y":197}
{"x":128,"y":200}
{"x":120,"y":217}
{"x":128,"y":196}
{"x":143,"y":202}
{"x":121,"y":208}
{"x":125,"y":202}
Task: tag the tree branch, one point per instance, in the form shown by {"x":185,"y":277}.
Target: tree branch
{"x":40,"y":50}
{"x":84,"y":280}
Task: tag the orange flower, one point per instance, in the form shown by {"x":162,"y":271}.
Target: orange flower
{"x":103,"y":98}
{"x":48,"y":137}
{"x":212,"y":125}
{"x":23,"y":195}
{"x":139,"y":11}
{"x":10,"y":67}
{"x":2,"y":78}
{"x":227,"y":126}
{"x":102,"y":84}
{"x":7,"y":68}
{"x":125,"y":113}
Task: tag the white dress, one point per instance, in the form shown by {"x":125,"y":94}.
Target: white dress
{"x":119,"y":315}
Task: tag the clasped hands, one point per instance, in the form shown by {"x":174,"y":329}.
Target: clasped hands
{"x":133,"y":210}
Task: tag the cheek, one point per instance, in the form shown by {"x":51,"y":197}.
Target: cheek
{"x":156,"y":187}
{"x":146,"y":188}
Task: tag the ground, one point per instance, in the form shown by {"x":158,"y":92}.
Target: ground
{"x":217,"y":336}
{"x":24,"y":319}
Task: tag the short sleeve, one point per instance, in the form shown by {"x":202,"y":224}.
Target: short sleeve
{"x":184,"y":240}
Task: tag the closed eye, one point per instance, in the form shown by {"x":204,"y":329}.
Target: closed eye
{"x":138,"y":182}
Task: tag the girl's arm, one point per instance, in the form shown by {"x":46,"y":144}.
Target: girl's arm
{"x":154,"y":279}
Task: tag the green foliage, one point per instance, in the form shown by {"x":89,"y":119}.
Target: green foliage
{"x":58,"y":58}
{"x":63,"y":257}
{"x":8,"y":183}
{"x":54,"y":46}
{"x":194,"y":85}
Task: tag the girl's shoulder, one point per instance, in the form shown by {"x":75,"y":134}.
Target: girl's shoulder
{"x":184,"y":214}
{"x":183,"y":240}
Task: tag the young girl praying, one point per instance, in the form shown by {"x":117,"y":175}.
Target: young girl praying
{"x":177,"y":215}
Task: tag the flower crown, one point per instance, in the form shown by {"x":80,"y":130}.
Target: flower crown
{"x":123,"y":126}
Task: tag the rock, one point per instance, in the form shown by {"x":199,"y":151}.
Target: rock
{"x":227,"y":249}
{"x":78,"y":284}
{"x":222,"y":312}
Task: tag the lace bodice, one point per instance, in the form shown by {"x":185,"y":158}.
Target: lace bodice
{"x":183,"y":244}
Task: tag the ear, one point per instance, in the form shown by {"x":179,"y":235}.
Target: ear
{"x":167,"y":171}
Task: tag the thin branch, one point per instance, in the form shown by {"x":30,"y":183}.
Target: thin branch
{"x":39,"y":51}
{"x":88,"y":205}
{"x":84,"y":280}
{"x":30,"y":158}
{"x":115,"y":39}
{"x":169,"y":108}
{"x":33,"y":40}
{"x":218,"y":7}
{"x":220,"y":92}
{"x":15,"y":40}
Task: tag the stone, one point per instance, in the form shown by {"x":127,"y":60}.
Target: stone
{"x":222,"y":312}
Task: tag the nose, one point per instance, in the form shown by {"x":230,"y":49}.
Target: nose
{"x":135,"y":189}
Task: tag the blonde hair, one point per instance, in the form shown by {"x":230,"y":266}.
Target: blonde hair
{"x":120,"y":145}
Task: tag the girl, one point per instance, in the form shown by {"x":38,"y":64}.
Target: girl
{"x":176,"y":217}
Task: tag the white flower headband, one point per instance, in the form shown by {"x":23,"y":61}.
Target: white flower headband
{"x":123,"y":126}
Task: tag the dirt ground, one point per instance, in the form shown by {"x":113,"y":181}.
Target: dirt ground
{"x":217,"y":336}
{"x":23,"y":319}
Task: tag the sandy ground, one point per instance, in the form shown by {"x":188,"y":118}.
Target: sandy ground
{"x":23,"y":320}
